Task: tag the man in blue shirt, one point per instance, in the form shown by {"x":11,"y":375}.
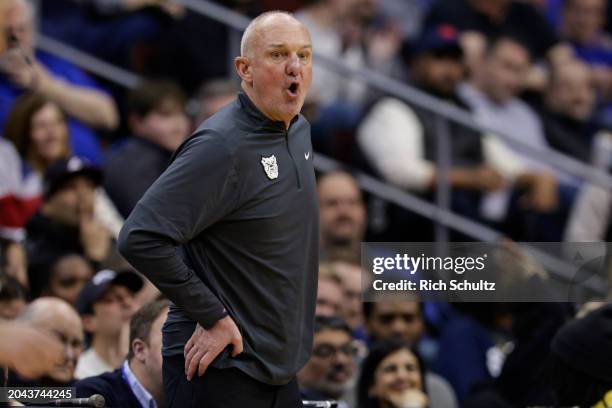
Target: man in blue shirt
{"x":22,"y":69}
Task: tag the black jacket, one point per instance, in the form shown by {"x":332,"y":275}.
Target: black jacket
{"x":231,"y":227}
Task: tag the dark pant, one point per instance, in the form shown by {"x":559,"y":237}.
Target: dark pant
{"x":227,"y":388}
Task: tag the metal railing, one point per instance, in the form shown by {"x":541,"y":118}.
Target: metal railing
{"x":439,"y":212}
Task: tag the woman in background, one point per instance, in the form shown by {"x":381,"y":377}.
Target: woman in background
{"x":392,"y":376}
{"x":38,"y":129}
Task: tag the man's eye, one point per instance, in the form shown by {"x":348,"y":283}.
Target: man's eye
{"x":304,"y":57}
{"x":276,"y":54}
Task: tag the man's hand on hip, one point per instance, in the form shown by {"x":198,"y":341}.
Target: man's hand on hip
{"x":204,"y":345}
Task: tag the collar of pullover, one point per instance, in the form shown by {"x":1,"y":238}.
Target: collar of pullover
{"x":253,"y":112}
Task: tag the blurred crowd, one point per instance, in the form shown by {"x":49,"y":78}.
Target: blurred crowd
{"x":77,"y":152}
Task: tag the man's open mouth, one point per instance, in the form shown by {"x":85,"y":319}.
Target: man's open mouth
{"x":293,"y":88}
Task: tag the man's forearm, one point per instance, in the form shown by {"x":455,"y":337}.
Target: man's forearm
{"x":87,"y":105}
{"x":159,"y":261}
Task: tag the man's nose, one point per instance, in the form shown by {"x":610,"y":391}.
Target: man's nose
{"x":293,"y":65}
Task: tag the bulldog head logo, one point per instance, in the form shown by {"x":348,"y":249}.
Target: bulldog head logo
{"x":270,"y":166}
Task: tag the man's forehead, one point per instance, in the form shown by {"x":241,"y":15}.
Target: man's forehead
{"x":277,"y":32}
{"x":328,"y":335}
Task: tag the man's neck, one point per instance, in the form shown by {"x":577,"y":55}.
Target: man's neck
{"x":253,"y":97}
{"x":108,"y":348}
{"x":140,"y":373}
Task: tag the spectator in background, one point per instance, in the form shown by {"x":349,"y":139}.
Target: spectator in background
{"x":115,"y":30}
{"x":30,"y":351}
{"x":67,"y":277}
{"x":38,"y":129}
{"x":589,"y":220}
{"x":199,"y":48}
{"x":65,"y":223}
{"x":13,"y":298}
{"x":334,"y":103}
{"x":330,"y":372}
{"x":472,"y":345}
{"x":347,"y":268}
{"x":403,"y":321}
{"x":23,"y":69}
{"x":159,"y":124}
{"x":569,"y":103}
{"x":138,"y":383}
{"x":583,"y":27}
{"x":327,"y":21}
{"x":106,"y":305}
{"x":392,"y":376}
{"x":58,"y":320}
{"x":329,"y":293}
{"x":11,"y":226}
{"x":13,"y":261}
{"x":581,"y":355}
{"x":342,"y":212}
{"x":400,"y":141}
{"x":481,"y":21}
{"x":542,"y":195}
{"x":212,"y":96}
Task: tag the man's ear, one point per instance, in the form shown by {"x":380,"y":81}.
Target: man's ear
{"x":139,"y":349}
{"x":243,"y":67}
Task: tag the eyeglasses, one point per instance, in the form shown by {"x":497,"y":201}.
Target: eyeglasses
{"x":327,"y":350}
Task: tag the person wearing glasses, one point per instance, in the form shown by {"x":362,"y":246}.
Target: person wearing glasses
{"x":330,"y":373}
{"x":53,"y":322}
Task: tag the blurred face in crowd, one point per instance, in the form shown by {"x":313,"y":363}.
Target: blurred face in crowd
{"x":111,"y":312}
{"x":583,"y":20}
{"x":396,"y":374}
{"x":49,"y":134}
{"x":571,"y":91}
{"x":68,"y":276}
{"x":350,"y":275}
{"x":74,"y":199}
{"x":331,"y":368}
{"x":341,"y":210}
{"x":396,"y":320}
{"x":276,"y":66}
{"x":19,"y":22}
{"x":503,"y":73}
{"x":439,"y":73}
{"x":149,"y":353}
{"x":329,"y":298}
{"x":167,"y":125}
{"x":60,"y":320}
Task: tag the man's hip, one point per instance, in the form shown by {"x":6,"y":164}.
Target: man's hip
{"x":223,"y":388}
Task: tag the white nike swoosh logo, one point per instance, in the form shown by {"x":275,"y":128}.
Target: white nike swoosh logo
{"x":307,"y":155}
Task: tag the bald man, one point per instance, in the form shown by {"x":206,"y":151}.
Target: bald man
{"x":60,"y":322}
{"x":239,"y":202}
